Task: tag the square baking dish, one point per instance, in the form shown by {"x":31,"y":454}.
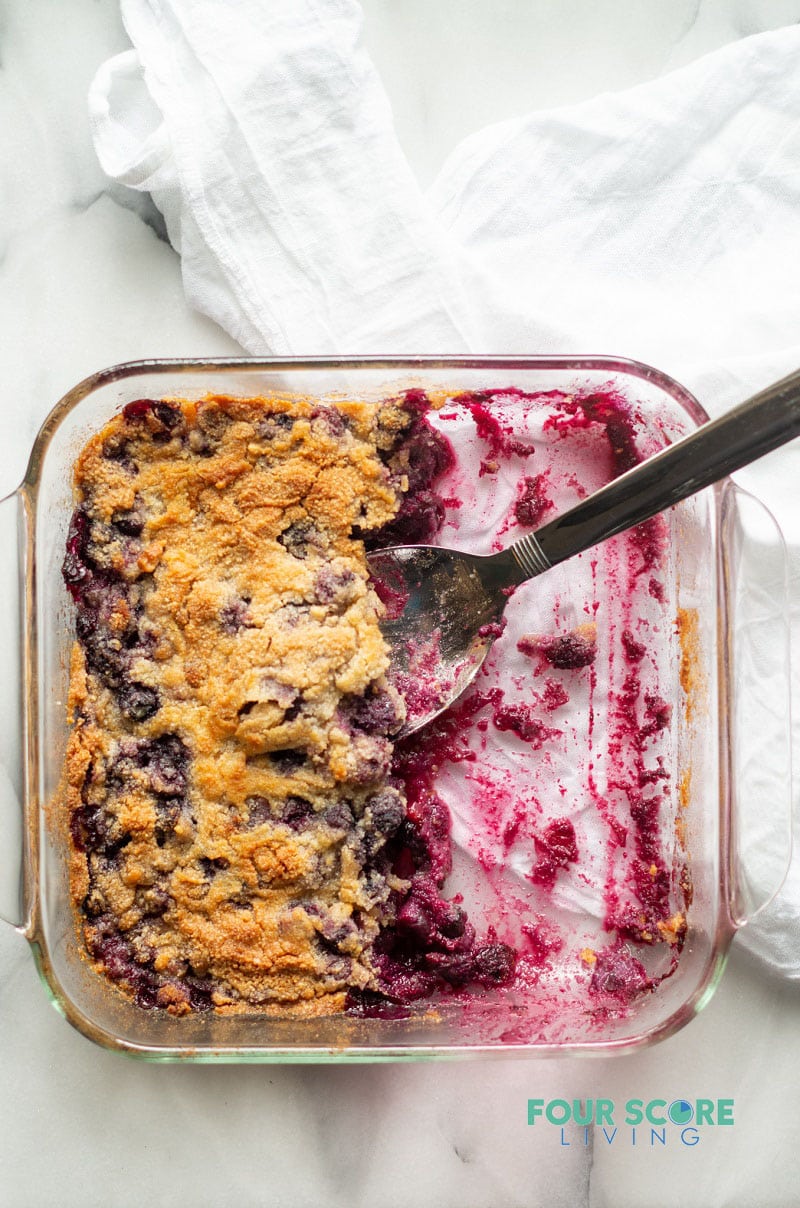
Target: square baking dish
{"x":728,"y":753}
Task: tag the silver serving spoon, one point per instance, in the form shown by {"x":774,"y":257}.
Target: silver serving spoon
{"x":443,"y":606}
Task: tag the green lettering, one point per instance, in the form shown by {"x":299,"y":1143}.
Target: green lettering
{"x":724,"y":1111}
{"x":557,"y":1111}
{"x":650,"y":1111}
{"x":635,"y":1115}
{"x":705,"y":1111}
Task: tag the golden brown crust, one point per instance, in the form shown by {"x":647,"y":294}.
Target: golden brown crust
{"x":241,"y":599}
{"x":688,"y":629}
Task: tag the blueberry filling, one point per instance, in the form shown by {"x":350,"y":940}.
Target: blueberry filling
{"x":569,"y":652}
{"x":298,"y":537}
{"x":77,"y":566}
{"x":137,"y":702}
{"x":375,"y":713}
{"x":168,"y":812}
{"x":417,"y":522}
{"x":166,"y":416}
{"x":340,"y":816}
{"x":331,"y":420}
{"x":121,"y":962}
{"x":211,"y":866}
{"x":95,"y":831}
{"x":297,"y":813}
{"x":533,"y":502}
{"x":131,"y":522}
{"x":277,"y":424}
{"x":420,"y":455}
{"x":288,"y":761}
{"x":88,"y":827}
{"x":118,"y":449}
{"x":166,"y":760}
{"x":102,"y":599}
{"x":155,"y":902}
{"x":258,"y":811}
{"x":386,"y":811}
{"x":335,"y":587}
{"x":234,"y":616}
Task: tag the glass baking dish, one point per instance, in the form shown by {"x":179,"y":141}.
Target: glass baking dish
{"x":730,"y":751}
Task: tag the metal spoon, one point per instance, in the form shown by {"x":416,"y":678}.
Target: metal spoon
{"x":443,"y":606}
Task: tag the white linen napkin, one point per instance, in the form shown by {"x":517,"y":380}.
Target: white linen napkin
{"x":661,"y":223}
{"x":265,"y":137}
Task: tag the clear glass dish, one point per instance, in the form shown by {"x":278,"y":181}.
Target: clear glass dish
{"x":730,"y":770}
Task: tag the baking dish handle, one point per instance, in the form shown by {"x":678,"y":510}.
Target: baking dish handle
{"x":12,"y":584}
{"x":757,"y":653}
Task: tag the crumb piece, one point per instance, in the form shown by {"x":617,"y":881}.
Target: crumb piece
{"x":567,"y":652}
{"x":674,"y":929}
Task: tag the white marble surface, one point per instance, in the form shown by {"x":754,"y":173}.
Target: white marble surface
{"x":86,"y":279}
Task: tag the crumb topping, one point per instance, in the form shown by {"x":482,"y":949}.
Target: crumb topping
{"x":232,"y":720}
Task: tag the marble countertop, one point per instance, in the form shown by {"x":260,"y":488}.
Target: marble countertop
{"x":87,"y":279}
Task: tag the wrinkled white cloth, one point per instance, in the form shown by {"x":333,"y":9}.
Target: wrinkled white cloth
{"x":660,"y":223}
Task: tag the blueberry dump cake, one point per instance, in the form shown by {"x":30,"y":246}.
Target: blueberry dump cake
{"x":239,"y":841}
{"x":248,"y":833}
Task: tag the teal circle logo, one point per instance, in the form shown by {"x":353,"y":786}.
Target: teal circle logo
{"x":680,"y":1111}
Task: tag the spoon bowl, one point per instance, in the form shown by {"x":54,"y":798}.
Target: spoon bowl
{"x":443,"y":612}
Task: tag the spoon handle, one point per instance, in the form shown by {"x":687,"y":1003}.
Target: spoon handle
{"x":759,"y":425}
